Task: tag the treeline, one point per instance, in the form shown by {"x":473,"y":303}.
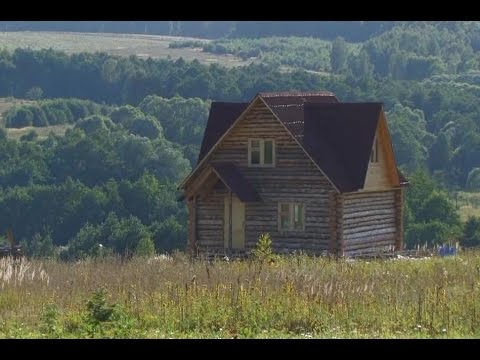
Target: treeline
{"x":351,"y":30}
{"x":52,"y":112}
{"x":407,"y":51}
{"x":118,"y":80}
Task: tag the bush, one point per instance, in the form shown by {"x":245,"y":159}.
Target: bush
{"x":431,"y":233}
{"x":145,"y":247}
{"x":30,"y":136}
{"x":471,"y":232}
{"x":146,"y":126}
{"x":169,"y":235}
{"x":473,"y":180}
{"x":93,"y":123}
{"x":35,"y":93}
{"x":41,"y":246}
{"x":21,"y":117}
{"x":263,"y":248}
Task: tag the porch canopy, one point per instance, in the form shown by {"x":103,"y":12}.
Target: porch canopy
{"x":230,"y":175}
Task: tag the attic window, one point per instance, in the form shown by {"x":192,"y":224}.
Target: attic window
{"x":261,"y":152}
{"x":374,"y":153}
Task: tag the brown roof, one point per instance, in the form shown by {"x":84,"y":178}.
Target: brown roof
{"x":235,"y":181}
{"x":221,"y":117}
{"x":339,"y":138}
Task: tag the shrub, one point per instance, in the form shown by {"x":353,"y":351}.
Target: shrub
{"x":471,"y":232}
{"x":145,"y":247}
{"x":30,"y":136}
{"x":263,"y":249}
{"x":35,"y":93}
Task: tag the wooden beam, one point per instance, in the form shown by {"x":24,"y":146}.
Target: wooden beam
{"x":399,"y":200}
{"x":336,"y":223}
{"x":192,"y":226}
{"x":197,"y":183}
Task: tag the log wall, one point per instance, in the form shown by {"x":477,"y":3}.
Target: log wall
{"x":371,"y":222}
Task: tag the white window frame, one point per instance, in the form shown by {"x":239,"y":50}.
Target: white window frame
{"x":262,"y":153}
{"x":291,"y":210}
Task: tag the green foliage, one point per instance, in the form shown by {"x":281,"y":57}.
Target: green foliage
{"x":145,"y":248}
{"x":440,"y":153}
{"x":431,"y":233}
{"x":408,"y":131}
{"x":40,"y":246}
{"x":431,"y":218}
{"x":146,"y":126}
{"x":51,"y":112}
{"x":437,"y":206}
{"x":263,"y":249}
{"x":471,"y":232}
{"x":99,"y":312}
{"x":35,"y":93}
{"x":30,"y":136}
{"x":169,"y":235}
{"x":93,"y":124}
{"x":49,"y":317}
{"x":473,"y":180}
{"x":338,"y":55}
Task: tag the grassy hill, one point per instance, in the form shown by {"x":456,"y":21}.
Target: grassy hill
{"x":143,"y":46}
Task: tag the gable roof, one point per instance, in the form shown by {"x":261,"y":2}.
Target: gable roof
{"x":221,"y":117}
{"x":235,"y":181}
{"x":338,"y":137}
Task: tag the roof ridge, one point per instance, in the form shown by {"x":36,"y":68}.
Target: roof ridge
{"x":269,"y":94}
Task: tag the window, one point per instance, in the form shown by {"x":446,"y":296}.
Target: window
{"x":261,"y":152}
{"x":374,"y":153}
{"x":291,"y":217}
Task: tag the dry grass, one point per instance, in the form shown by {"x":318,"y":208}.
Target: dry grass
{"x":468,"y":205}
{"x":155,"y":46}
{"x":295,"y":296}
{"x":42,"y":132}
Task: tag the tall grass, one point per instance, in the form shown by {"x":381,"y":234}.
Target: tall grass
{"x":293,"y":296}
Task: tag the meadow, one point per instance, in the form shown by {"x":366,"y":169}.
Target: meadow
{"x":468,"y":204}
{"x":287,"y":297}
{"x":143,"y":46}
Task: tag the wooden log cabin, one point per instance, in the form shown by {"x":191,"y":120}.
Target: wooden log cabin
{"x":317,"y":174}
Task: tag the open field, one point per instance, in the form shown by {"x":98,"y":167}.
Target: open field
{"x":144,"y":46}
{"x":42,"y":132}
{"x":468,"y":204}
{"x":295,"y":296}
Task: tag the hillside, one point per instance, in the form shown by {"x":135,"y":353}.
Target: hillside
{"x":117,"y":129}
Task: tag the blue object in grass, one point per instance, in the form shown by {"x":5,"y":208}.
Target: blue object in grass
{"x":447,"y":250}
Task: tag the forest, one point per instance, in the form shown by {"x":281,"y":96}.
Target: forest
{"x":133,"y":126}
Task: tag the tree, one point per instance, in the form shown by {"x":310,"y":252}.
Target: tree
{"x":437,"y":206}
{"x":439,"y":154}
{"x":146,"y":126}
{"x":471,"y":232}
{"x":473,"y":180}
{"x":35,"y":93}
{"x":338,"y":55}
{"x":145,"y":247}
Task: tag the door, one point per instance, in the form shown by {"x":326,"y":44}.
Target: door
{"x":234,"y":210}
